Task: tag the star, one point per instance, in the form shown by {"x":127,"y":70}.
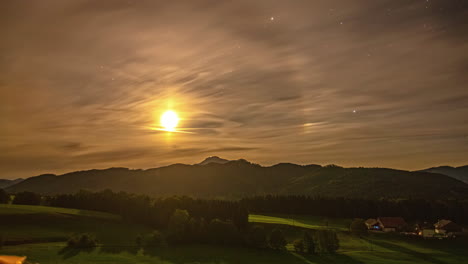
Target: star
{"x":272,"y":18}
{"x":354,"y":111}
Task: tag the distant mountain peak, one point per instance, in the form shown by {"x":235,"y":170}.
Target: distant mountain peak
{"x":4,"y":183}
{"x":459,"y":173}
{"x":213,"y":159}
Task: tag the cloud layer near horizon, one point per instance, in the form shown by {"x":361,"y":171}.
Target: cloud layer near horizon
{"x":356,"y":83}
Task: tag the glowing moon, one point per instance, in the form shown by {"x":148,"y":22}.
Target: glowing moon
{"x":169,"y":120}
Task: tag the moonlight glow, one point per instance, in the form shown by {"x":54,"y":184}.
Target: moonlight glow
{"x":169,"y":120}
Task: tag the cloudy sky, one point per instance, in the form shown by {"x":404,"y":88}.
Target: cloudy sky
{"x":356,"y":83}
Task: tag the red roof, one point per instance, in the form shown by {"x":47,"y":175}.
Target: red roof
{"x":390,"y":222}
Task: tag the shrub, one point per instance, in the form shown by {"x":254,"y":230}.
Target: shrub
{"x":155,"y":239}
{"x":298,"y":245}
{"x":333,"y":244}
{"x":277,"y":240}
{"x":308,"y":243}
{"x":82,"y":241}
{"x":139,"y":241}
{"x":4,"y":197}
{"x":223,"y":232}
{"x":28,"y":198}
{"x":358,"y":227}
{"x":257,"y":237}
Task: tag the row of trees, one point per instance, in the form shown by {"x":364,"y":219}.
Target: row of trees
{"x":410,"y":209}
{"x":140,"y":208}
{"x":156,"y":212}
{"x":319,"y":241}
{"x":183,"y":228}
{"x":152,"y":212}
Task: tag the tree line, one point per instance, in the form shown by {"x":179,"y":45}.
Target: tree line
{"x":157,"y":211}
{"x":409,"y":209}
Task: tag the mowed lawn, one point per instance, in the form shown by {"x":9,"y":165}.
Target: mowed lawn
{"x":44,"y":230}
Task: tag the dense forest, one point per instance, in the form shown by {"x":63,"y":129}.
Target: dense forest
{"x":157,"y":211}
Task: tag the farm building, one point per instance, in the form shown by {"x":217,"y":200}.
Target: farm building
{"x":372,"y":224}
{"x":447,"y":228}
{"x":427,"y":232}
{"x":390,"y":224}
{"x":425,"y":229}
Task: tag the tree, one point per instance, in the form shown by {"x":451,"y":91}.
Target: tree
{"x":177,"y":225}
{"x":358,"y":227}
{"x":28,"y":198}
{"x":139,"y":241}
{"x":4,"y":197}
{"x":257,"y":237}
{"x":325,"y":241}
{"x":241,"y":218}
{"x":277,"y":240}
{"x":155,"y":239}
{"x":308,"y":243}
{"x":333,"y":244}
{"x":82,"y":241}
{"x":223,"y":232}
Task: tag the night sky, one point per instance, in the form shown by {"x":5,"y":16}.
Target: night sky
{"x":355,"y":83}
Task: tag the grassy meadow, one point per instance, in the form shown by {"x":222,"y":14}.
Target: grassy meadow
{"x":41,"y":233}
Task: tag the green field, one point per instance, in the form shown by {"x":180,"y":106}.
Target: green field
{"x":33,"y":224}
{"x":8,"y":209}
{"x":311,"y":222}
{"x":42,"y":232}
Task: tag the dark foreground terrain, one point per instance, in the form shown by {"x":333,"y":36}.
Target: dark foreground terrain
{"x":41,"y":232}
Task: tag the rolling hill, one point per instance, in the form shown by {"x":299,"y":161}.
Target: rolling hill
{"x":6,"y":183}
{"x":240,"y":178}
{"x":460,"y":173}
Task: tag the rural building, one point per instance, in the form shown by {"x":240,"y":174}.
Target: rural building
{"x":390,"y":224}
{"x":447,"y":228}
{"x":427,"y":232}
{"x":372,"y":224}
{"x":425,"y":229}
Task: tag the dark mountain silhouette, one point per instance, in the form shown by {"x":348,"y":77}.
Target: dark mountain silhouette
{"x":6,"y":183}
{"x":460,"y":173}
{"x":240,"y":178}
{"x":214,"y":159}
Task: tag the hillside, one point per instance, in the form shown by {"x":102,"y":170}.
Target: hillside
{"x":241,"y":178}
{"x":6,"y":183}
{"x":460,"y":173}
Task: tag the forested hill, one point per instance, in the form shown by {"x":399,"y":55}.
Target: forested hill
{"x":236,"y":179}
{"x":460,"y":173}
{"x":4,"y":183}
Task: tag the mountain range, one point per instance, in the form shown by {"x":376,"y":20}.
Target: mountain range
{"x":460,"y":173}
{"x":220,"y":178}
{"x":4,"y":183}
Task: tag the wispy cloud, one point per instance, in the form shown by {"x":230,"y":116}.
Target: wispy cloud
{"x":354,"y":83}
